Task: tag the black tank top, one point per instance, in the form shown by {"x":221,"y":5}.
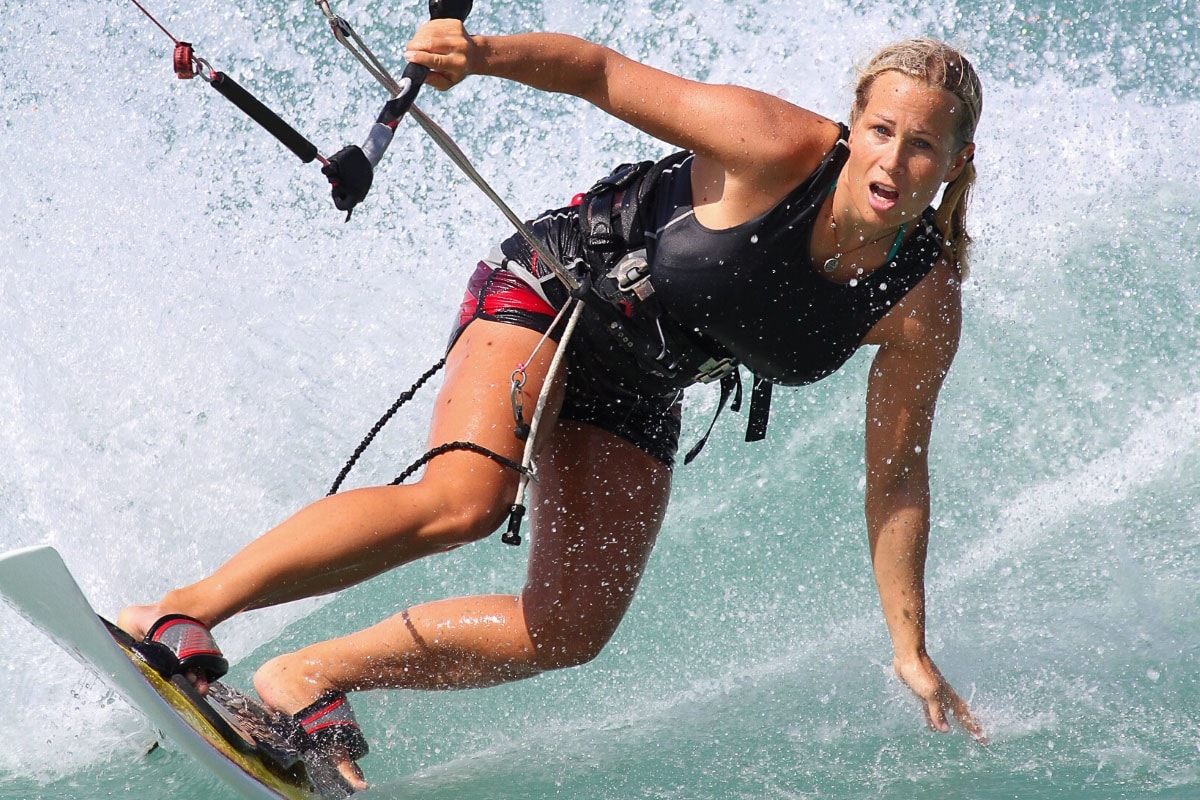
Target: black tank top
{"x":753,"y":289}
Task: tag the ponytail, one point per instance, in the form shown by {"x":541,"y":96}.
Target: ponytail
{"x":951,"y":217}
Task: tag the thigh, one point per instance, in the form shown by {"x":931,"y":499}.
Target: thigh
{"x":475,"y":404}
{"x":597,"y":510}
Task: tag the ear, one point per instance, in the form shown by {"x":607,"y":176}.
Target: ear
{"x":961,"y":159}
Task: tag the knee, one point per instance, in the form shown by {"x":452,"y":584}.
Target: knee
{"x":466,"y":514}
{"x":465,"y":522}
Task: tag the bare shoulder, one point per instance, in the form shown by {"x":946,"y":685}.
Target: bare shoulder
{"x":765,"y":148}
{"x":928,"y":319}
{"x":790,"y":144}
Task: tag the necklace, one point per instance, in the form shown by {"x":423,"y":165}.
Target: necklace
{"x":831,"y":264}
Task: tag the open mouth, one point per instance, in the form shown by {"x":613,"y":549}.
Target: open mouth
{"x":885,"y":193}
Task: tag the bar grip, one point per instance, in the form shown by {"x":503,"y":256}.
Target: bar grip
{"x":305,"y":150}
{"x":414,"y":75}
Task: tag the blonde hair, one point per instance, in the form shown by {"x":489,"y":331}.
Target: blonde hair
{"x":939,"y":65}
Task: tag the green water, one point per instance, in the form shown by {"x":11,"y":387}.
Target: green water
{"x":193,"y":342}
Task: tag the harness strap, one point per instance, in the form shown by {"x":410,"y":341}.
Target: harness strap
{"x":760,"y":410}
{"x":731,"y":384}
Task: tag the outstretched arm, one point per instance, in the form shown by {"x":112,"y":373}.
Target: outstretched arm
{"x":741,"y":129}
{"x":917,"y":344}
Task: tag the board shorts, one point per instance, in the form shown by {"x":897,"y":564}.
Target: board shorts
{"x":507,"y":287}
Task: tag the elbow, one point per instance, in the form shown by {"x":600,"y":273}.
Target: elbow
{"x":897,"y":489}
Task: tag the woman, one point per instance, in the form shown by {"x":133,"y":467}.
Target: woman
{"x":785,"y":242}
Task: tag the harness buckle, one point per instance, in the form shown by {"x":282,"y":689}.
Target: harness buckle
{"x":715,"y":369}
{"x":632,"y":274}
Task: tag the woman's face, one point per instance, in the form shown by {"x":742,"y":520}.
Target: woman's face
{"x":902,"y":149}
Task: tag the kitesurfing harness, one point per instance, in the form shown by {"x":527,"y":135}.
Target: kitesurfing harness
{"x":615,"y":216}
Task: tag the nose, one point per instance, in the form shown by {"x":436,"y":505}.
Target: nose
{"x":891,"y":160}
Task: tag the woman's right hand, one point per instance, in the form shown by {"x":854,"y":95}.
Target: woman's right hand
{"x":937,"y":696}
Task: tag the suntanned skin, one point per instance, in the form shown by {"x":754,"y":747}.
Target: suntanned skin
{"x":600,"y":501}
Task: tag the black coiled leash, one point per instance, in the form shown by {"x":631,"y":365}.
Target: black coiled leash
{"x":516,"y":513}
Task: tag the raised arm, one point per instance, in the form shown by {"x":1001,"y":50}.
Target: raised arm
{"x":745,"y":131}
{"x":918,"y":340}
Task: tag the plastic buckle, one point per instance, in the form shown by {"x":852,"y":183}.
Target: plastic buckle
{"x":715,"y":369}
{"x":184,"y":61}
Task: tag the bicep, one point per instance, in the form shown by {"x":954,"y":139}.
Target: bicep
{"x":906,"y":377}
{"x":737,"y":127}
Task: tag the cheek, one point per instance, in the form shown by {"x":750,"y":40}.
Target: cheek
{"x":927,"y":177}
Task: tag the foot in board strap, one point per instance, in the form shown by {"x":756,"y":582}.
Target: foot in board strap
{"x":181,"y":645}
{"x":328,"y":732}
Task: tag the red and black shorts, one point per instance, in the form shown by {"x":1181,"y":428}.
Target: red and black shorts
{"x":648,"y":420}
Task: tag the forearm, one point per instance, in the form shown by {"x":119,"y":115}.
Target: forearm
{"x":898,"y":531}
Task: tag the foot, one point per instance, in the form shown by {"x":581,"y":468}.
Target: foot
{"x":137,"y":620}
{"x":285,"y":688}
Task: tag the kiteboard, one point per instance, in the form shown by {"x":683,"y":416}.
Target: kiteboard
{"x":231,"y":734}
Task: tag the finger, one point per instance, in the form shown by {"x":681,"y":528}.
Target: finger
{"x":440,"y":82}
{"x":969,"y":722}
{"x":419,"y":55}
{"x":935,"y":713}
{"x":450,"y":65}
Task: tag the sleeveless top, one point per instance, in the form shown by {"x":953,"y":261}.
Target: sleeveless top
{"x":753,"y":291}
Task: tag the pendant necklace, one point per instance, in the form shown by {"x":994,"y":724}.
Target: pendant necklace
{"x":831,"y":264}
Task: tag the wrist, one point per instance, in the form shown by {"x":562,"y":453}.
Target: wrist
{"x":910,"y":654}
{"x":480,"y":53}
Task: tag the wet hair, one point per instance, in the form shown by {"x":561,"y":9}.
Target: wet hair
{"x":939,"y":65}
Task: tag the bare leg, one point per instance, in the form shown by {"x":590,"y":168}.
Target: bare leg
{"x":596,"y":515}
{"x":347,"y":538}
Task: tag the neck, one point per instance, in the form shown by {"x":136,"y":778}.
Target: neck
{"x":850,"y":229}
{"x":860,"y":249}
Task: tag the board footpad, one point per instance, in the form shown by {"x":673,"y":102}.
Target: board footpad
{"x":266,"y":728}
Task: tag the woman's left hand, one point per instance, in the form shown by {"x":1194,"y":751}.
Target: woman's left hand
{"x":939,"y":698}
{"x":445,"y":48}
